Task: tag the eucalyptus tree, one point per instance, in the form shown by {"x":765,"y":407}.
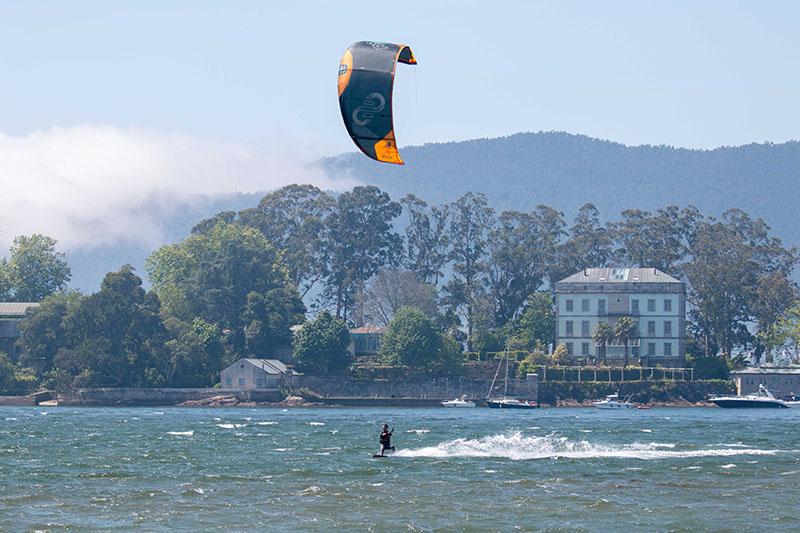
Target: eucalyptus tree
{"x":34,"y":270}
{"x":471,"y":218}
{"x":427,"y":241}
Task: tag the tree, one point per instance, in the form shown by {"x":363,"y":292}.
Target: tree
{"x":392,"y":289}
{"x":624,"y":331}
{"x":321,"y":345}
{"x":196,"y":353}
{"x":34,"y":270}
{"x":784,"y":333}
{"x":292,"y":219}
{"x":42,"y":332}
{"x":521,"y":246}
{"x":115,"y":337}
{"x":359,"y":240}
{"x":654,"y":240}
{"x":728,"y":260}
{"x":536,"y":324}
{"x":232,"y":277}
{"x":427,"y":242}
{"x":470,"y":221}
{"x":603,"y":334}
{"x":411,"y":340}
{"x":13,"y":379}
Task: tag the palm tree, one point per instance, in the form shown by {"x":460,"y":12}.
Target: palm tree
{"x":624,"y":331}
{"x":603,"y":334}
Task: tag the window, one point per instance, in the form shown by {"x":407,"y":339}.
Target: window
{"x":668,"y":328}
{"x":585,"y":306}
{"x":634,"y":306}
{"x":651,"y":306}
{"x":569,"y":305}
{"x":651,"y":328}
{"x":241,"y":382}
{"x":260,"y":383}
{"x":667,"y":349}
{"x":570,"y":348}
{"x":668,"y":305}
{"x":569,"y":331}
{"x":228,"y":381}
{"x":651,"y":349}
{"x":584,"y":328}
{"x":584,"y":348}
{"x":601,"y":306}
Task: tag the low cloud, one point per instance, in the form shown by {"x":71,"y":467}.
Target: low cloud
{"x":89,"y":186}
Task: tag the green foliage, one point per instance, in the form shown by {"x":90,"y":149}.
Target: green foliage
{"x":708,"y":367}
{"x":427,"y":241}
{"x":42,"y":331}
{"x":34,"y":270}
{"x":231,"y":276}
{"x":536,"y":325}
{"x":560,"y":356}
{"x":624,"y":330}
{"x":411,"y":340}
{"x":603,"y":334}
{"x":784,"y":332}
{"x":392,"y":289}
{"x":320,"y":347}
{"x":14,"y":381}
{"x":196,"y":353}
{"x":535,"y":358}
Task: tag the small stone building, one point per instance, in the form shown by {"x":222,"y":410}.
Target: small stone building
{"x":780,"y":381}
{"x":11,"y":314}
{"x":365,"y":340}
{"x":255,"y":374}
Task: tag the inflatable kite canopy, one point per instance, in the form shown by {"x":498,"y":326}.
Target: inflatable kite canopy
{"x":366,"y":80}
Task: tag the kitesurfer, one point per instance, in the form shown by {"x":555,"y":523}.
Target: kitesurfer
{"x":386,"y":439}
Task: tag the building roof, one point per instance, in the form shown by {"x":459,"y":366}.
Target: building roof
{"x":270,"y":366}
{"x":15,"y":309}
{"x":368,"y":329}
{"x":620,"y":275}
{"x":769,"y":370}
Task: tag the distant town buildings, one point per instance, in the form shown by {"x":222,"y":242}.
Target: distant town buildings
{"x":11,"y":313}
{"x":655,"y":300}
{"x":780,"y":381}
{"x":253,"y":374}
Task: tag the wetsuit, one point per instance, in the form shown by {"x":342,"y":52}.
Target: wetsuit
{"x":386,"y":441}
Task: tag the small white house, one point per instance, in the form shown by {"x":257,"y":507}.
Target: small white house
{"x":253,"y":374}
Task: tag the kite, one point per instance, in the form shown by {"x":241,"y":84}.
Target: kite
{"x":366,"y":80}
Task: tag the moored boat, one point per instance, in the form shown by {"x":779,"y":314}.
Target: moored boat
{"x":612,"y":402}
{"x":763,"y":399}
{"x":458,"y":402}
{"x":510,"y":403}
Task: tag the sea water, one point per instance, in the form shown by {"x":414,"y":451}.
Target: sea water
{"x":462,"y":469}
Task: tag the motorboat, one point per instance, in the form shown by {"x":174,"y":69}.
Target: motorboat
{"x":612,"y":401}
{"x":458,"y":402}
{"x":793,"y":400}
{"x":510,"y":403}
{"x":762,"y":399}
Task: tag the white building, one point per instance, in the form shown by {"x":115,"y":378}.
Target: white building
{"x":251,"y":374}
{"x":655,"y":300}
{"x":780,"y":381}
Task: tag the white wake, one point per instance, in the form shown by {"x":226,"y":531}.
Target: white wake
{"x":517,"y":447}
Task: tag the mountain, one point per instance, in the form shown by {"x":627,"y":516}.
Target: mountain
{"x":565,"y":171}
{"x":521,"y":171}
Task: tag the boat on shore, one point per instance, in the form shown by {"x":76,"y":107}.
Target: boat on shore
{"x":458,"y":403}
{"x":763,"y":399}
{"x":612,"y":401}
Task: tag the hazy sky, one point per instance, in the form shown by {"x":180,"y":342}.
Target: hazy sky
{"x":693,"y":73}
{"x":105,"y":104}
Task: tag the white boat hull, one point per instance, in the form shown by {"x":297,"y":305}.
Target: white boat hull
{"x":459,"y":404}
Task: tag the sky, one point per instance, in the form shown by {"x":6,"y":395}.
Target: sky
{"x":104,"y":104}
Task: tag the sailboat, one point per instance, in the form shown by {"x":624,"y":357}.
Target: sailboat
{"x":505,"y":402}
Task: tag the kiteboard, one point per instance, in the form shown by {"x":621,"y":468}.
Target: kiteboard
{"x":377,"y":455}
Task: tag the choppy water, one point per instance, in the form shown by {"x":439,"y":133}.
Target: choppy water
{"x":471,"y":469}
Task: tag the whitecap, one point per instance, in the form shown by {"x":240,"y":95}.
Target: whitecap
{"x":731,"y":465}
{"x":418,"y":431}
{"x":376,"y":484}
{"x":316,"y":423}
{"x":231,"y":426}
{"x":515,"y":446}
{"x":10,"y":419}
{"x":181,"y":433}
{"x":585,"y":430}
{"x":647,"y":431}
{"x":266,"y":423}
{"x":283,"y":449}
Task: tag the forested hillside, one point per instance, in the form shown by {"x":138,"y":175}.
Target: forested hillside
{"x":565,"y":171}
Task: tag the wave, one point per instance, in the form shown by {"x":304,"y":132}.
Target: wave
{"x":418,"y":431}
{"x":515,"y":446}
{"x":180,"y":433}
{"x":231,"y":426}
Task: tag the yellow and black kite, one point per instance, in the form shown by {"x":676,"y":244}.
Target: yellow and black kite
{"x":366,"y":79}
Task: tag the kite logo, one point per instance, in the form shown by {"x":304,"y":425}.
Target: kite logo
{"x":372,"y":104}
{"x":342,"y":69}
{"x":378,"y":46}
